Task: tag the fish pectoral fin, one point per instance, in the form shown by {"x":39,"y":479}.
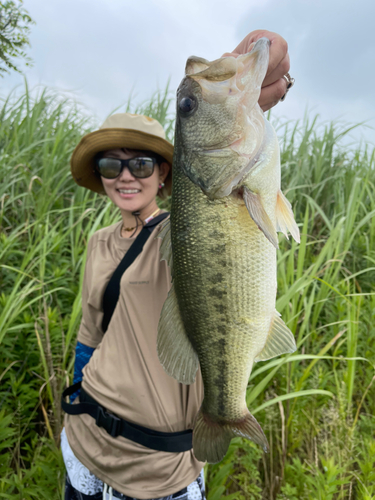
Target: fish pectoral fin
{"x":176,"y":354}
{"x":166,"y":245}
{"x":256,"y":210}
{"x":284,"y":217}
{"x":280,"y":340}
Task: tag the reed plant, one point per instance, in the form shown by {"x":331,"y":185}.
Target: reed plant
{"x":316,"y":405}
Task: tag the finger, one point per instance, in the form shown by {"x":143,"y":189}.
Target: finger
{"x":278,"y":51}
{"x":230,"y":54}
{"x":236,"y":54}
{"x":278,"y":48}
{"x":272,"y":94}
{"x":280,"y":70}
{"x":245,"y":45}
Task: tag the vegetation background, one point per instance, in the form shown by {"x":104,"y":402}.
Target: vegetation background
{"x":316,"y":406}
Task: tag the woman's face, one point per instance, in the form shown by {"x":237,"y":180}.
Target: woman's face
{"x":130,"y":193}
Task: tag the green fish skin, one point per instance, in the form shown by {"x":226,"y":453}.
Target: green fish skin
{"x":226,"y":209}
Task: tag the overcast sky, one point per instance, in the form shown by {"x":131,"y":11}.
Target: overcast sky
{"x":102,"y":49}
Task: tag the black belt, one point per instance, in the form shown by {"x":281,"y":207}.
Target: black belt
{"x":174,"y":442}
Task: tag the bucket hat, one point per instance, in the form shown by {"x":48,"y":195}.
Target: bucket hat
{"x":121,"y":130}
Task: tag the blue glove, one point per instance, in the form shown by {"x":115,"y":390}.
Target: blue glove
{"x":83,"y":355}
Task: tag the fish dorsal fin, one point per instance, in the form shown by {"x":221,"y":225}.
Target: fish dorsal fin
{"x":256,"y":210}
{"x":176,"y":354}
{"x":284,"y":217}
{"x":280,"y":340}
{"x":166,"y":245}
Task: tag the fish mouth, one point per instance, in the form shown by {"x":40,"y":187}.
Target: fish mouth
{"x":241,"y":148}
{"x":230,"y":75}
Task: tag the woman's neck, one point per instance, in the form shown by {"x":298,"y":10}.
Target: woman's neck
{"x":137,"y":218}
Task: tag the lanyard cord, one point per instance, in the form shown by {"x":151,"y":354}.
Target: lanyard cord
{"x":146,"y":221}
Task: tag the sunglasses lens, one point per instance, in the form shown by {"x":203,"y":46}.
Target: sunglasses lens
{"x":141,"y":167}
{"x":109,"y":168}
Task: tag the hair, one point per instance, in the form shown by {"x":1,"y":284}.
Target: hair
{"x":159,"y":158}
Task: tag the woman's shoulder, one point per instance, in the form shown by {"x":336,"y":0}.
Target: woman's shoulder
{"x":105,"y":232}
{"x":102,"y":235}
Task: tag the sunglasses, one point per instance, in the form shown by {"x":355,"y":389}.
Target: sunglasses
{"x":140,"y":167}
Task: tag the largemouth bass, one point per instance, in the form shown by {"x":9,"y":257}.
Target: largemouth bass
{"x":221,"y":243}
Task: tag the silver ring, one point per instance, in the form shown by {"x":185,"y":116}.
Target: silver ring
{"x":289,"y":84}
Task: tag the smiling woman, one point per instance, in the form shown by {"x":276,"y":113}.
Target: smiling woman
{"x":131,"y":427}
{"x":133,"y":168}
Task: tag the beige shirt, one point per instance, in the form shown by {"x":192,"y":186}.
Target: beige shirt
{"x":125,"y":376}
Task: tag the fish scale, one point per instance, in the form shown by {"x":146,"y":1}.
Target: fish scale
{"x":221,"y":339}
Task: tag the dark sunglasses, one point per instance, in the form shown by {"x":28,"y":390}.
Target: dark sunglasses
{"x":140,"y":167}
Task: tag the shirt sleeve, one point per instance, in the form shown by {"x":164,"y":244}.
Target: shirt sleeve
{"x":90,"y":331}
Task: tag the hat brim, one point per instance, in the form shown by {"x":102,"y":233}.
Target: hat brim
{"x":82,"y":162}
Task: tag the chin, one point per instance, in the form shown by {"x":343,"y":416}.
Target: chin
{"x":132,"y":205}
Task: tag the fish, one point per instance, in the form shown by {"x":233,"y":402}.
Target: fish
{"x":220,"y":242}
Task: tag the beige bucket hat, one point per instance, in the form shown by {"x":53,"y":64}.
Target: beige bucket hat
{"x":121,"y":130}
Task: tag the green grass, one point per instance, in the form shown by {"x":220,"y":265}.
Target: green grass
{"x":316,"y":406}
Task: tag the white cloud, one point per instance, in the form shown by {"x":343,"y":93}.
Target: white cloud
{"x":103,"y":49}
{"x":107,"y":48}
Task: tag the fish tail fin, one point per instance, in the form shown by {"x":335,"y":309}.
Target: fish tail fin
{"x":211,"y":439}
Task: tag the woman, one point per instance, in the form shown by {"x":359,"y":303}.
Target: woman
{"x":129,"y":429}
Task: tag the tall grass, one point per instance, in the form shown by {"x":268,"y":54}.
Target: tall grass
{"x":316,"y":405}
{"x":319,"y":410}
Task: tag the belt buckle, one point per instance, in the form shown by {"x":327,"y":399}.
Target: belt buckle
{"x":109,"y":422}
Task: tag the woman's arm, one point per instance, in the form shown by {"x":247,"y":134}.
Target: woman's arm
{"x":89,"y":335}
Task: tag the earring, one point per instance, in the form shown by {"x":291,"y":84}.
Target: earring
{"x":161,"y":185}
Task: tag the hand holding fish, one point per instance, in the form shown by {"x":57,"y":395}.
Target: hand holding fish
{"x":274,"y":85}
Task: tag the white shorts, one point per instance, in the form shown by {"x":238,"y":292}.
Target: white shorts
{"x":83,"y":481}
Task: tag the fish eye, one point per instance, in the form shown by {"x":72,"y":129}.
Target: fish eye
{"x":187,"y":105}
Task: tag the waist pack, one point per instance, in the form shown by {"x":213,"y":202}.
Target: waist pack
{"x":115,"y":426}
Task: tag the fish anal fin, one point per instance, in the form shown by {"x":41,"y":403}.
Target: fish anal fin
{"x":175,"y":351}
{"x":280,"y":340}
{"x":257,"y":212}
{"x":166,"y":246}
{"x":211,"y":439}
{"x":284,"y":217}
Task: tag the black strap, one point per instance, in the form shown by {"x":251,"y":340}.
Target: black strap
{"x":174,"y":442}
{"x":112,"y":292}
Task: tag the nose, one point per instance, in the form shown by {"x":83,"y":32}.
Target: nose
{"x":126,"y":175}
